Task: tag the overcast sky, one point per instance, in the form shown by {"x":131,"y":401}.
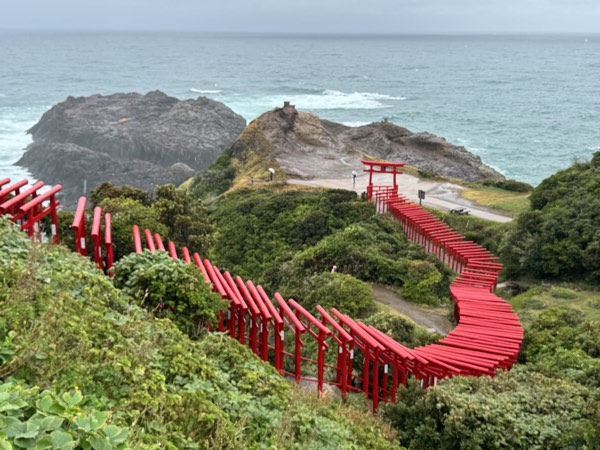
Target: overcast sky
{"x":321,"y":16}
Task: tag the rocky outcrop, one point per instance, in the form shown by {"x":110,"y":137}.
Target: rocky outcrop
{"x":305,"y":146}
{"x":141,"y":140}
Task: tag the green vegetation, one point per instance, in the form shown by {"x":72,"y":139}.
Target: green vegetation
{"x":90,"y":367}
{"x":517,"y":410}
{"x":560,"y":237}
{"x":86,"y":362}
{"x":215,"y":180}
{"x":288,"y":240}
{"x":550,"y":400}
{"x":173,"y":213}
{"x":561,"y":343}
{"x":540,"y":298}
{"x":31,"y":418}
{"x":509,"y":185}
{"x":170,"y":288}
{"x":503,"y":198}
{"x":485,"y":232}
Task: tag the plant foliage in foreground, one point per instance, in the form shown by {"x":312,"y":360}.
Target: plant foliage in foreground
{"x":64,"y":328}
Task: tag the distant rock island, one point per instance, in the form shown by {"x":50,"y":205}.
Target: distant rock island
{"x":140,"y":140}
{"x":304,"y":146}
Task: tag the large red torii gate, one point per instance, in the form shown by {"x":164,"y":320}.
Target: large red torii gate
{"x":381,"y":167}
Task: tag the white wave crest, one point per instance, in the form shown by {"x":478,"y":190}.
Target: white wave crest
{"x":330,"y":99}
{"x":205,"y":91}
{"x":355,"y":124}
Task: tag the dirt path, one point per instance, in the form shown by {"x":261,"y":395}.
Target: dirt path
{"x":439,"y":195}
{"x":427,"y":318}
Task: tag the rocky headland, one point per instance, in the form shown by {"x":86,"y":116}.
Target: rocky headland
{"x":140,"y":140}
{"x":303,"y":146}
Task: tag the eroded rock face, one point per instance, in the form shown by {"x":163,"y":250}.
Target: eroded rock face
{"x":141,"y":140}
{"x":305,"y":146}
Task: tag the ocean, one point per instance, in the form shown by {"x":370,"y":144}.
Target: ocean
{"x":528,"y":105}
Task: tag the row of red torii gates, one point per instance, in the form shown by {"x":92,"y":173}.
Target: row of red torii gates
{"x":350,"y":355}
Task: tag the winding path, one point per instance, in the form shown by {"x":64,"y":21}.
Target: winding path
{"x":430,"y":320}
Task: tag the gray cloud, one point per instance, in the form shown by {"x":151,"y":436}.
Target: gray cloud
{"x":386,"y":16}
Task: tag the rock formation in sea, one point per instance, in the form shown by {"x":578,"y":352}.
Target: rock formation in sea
{"x":304,"y":146}
{"x":141,"y":140}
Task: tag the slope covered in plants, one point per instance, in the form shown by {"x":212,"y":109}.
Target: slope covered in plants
{"x":84,"y":366}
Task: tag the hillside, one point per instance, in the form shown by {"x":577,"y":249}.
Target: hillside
{"x":83,"y":366}
{"x":559,"y":237}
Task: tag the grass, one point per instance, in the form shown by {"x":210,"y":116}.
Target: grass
{"x":505,"y":202}
{"x":546,"y":296}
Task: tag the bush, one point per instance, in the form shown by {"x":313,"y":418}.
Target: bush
{"x":185,"y":217}
{"x":517,"y":409}
{"x":126,"y":213}
{"x":509,"y":185}
{"x":170,"y":288}
{"x":559,"y":237}
{"x":422,"y":283}
{"x":335,"y":290}
{"x":108,"y":190}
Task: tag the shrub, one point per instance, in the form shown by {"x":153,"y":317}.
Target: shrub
{"x":335,"y":290}
{"x":108,"y":190}
{"x":509,"y":185}
{"x":422,"y":283}
{"x":127,"y":212}
{"x":170,"y":288}
{"x":517,"y":409}
{"x":559,"y":237}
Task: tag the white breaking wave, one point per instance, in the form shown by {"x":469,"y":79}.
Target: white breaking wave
{"x":329,"y":99}
{"x":355,"y":124}
{"x":206,"y":91}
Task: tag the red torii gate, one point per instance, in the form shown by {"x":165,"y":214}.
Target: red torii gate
{"x":381,"y":167}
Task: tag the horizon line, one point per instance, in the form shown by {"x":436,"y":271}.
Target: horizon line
{"x":304,"y":33}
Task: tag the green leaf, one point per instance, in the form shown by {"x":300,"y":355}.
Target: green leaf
{"x":99,"y":419}
{"x":45,"y":403}
{"x":51,"y":423}
{"x":100,"y":443}
{"x":62,"y":440}
{"x":72,"y":398}
{"x":92,"y":422}
{"x":28,"y":430}
{"x":44,"y":443}
{"x":25,"y":442}
{"x":115,"y":434}
{"x":4,"y":444}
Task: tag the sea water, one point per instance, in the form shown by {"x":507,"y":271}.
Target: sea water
{"x":529,"y":105}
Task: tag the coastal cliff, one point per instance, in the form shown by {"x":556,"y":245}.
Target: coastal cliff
{"x":304,"y":146}
{"x":141,"y":140}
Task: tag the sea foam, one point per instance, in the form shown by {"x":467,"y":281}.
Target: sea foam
{"x":331,"y":99}
{"x":206,"y":91}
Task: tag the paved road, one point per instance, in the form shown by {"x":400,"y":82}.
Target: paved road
{"x":439,"y":195}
